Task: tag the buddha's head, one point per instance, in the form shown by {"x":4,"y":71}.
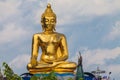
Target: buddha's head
{"x":48,"y":19}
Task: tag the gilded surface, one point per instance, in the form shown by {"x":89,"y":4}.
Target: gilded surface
{"x":53,"y":46}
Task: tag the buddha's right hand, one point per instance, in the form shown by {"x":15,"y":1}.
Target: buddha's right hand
{"x":33,"y":62}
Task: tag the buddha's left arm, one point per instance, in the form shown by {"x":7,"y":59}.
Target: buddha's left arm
{"x":64,"y":48}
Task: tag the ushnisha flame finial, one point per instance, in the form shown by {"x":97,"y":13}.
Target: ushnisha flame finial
{"x":49,"y":5}
{"x":48,"y":12}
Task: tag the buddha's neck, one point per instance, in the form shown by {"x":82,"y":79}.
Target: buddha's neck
{"x":48,"y":32}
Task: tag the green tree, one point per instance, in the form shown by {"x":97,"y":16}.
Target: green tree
{"x":34,"y":78}
{"x":51,"y":76}
{"x":81,"y":79}
{"x":69,"y":79}
{"x":9,"y":74}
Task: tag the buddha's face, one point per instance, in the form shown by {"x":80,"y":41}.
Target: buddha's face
{"x":49,"y":23}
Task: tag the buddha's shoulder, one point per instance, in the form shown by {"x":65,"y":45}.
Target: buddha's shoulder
{"x":37,"y":34}
{"x":59,"y":34}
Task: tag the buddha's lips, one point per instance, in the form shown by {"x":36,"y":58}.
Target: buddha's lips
{"x":49,"y":25}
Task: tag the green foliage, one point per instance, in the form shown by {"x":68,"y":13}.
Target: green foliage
{"x":9,"y":74}
{"x":81,"y":79}
{"x":69,"y":79}
{"x":34,"y":78}
{"x":51,"y":76}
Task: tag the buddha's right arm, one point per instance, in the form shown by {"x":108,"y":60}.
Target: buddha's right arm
{"x":35,"y":48}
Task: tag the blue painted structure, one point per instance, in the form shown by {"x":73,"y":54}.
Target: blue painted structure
{"x":87,"y":76}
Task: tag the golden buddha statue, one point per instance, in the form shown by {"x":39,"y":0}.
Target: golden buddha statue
{"x":53,"y":46}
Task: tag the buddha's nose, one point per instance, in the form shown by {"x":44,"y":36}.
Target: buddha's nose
{"x":49,"y":22}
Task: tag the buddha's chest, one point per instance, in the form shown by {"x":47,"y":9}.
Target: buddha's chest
{"x":49,"y":39}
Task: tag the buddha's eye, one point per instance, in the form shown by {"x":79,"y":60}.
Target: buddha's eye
{"x":46,"y":20}
{"x":53,"y":20}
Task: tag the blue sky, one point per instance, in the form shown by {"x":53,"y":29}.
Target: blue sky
{"x":92,"y":27}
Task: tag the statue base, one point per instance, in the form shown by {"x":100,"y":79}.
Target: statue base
{"x":59,"y":76}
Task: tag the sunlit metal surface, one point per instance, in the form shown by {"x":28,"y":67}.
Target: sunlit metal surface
{"x":53,"y":45}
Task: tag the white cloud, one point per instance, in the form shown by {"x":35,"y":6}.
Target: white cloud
{"x":20,"y":61}
{"x":115,"y":69}
{"x":39,"y":11}
{"x":114,"y":33}
{"x":8,"y":8}
{"x":97,"y":57}
{"x":67,"y":12}
{"x":11,"y":32}
{"x":80,"y":10}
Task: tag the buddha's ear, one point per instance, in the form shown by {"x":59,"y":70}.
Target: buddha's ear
{"x":54,"y":28}
{"x":55,"y":24}
{"x":43,"y":23}
{"x":43,"y":20}
{"x":43,"y":28}
{"x":55,"y":19}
